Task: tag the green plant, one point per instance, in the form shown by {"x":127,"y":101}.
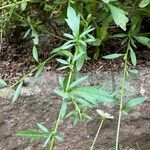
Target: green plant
{"x":81,"y":97}
{"x":102,"y":24}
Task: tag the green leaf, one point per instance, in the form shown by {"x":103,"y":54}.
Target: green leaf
{"x":23,"y":5}
{"x":92,"y":94}
{"x":78,"y":81}
{"x":113,"y":56}
{"x":73,"y":21}
{"x":80,"y":62}
{"x":106,"y":1}
{"x":121,"y":35}
{"x":31,"y":134}
{"x":144,"y":3}
{"x":63,"y":110}
{"x":35,"y":37}
{"x":86,"y":32}
{"x":27,"y":33}
{"x":133,"y":57}
{"x":17,"y":92}
{"x":2,"y":82}
{"x":40,"y":69}
{"x":119,"y":16}
{"x":143,"y":40}
{"x":62,"y":61}
{"x":69,"y":36}
{"x":84,"y":103}
{"x":47,"y":141}
{"x":134,"y":71}
{"x":134,"y":102}
{"x":42,"y":127}
{"x":62,"y":68}
{"x":35,"y":53}
{"x":65,"y":53}
{"x":61,"y":94}
{"x":59,"y":138}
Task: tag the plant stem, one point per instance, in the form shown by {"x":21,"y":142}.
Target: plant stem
{"x":100,"y":126}
{"x":59,"y":117}
{"x":122,"y":97}
{"x":55,"y":130}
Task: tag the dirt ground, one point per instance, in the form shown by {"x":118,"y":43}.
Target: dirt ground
{"x":38,"y":105}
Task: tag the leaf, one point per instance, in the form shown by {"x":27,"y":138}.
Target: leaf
{"x":106,"y":1}
{"x":67,"y":46}
{"x":73,"y":21}
{"x":143,"y":40}
{"x":59,"y":138}
{"x":69,"y":36}
{"x":40,"y":69}
{"x":62,"y":68}
{"x":121,"y":35}
{"x":119,"y":16}
{"x":144,"y":3}
{"x":35,"y":53}
{"x":92,"y":94}
{"x":84,"y":103}
{"x":113,"y":56}
{"x":62,"y":61}
{"x":2,"y":82}
{"x":27,"y":33}
{"x":133,"y":57}
{"x":61,"y":94}
{"x":31,"y":134}
{"x":86,"y":32}
{"x":65,"y":53}
{"x":78,"y":81}
{"x":35,"y":37}
{"x":17,"y":92}
{"x":80,"y":62}
{"x":134,"y":102}
{"x":47,"y":141}
{"x":63,"y":110}
{"x":134,"y":71}
{"x":42,"y":127}
{"x":24,"y":5}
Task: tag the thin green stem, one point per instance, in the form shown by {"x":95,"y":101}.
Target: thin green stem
{"x":55,"y":130}
{"x":122,"y":97}
{"x":96,"y":136}
{"x":52,"y":142}
{"x":25,"y":76}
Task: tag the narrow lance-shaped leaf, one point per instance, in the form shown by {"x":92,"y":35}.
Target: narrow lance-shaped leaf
{"x":133,"y":57}
{"x":113,"y":56}
{"x":42,"y":127}
{"x":63,"y":110}
{"x":31,"y":134}
{"x":78,"y":81}
{"x":24,"y":5}
{"x":73,"y":21}
{"x":134,"y":102}
{"x":17,"y":92}
{"x":35,"y":53}
{"x":47,"y":141}
{"x":35,"y":37}
{"x":61,"y":93}
{"x":119,"y":16}
{"x":40,"y":70}
{"x":144,"y":3}
{"x":143,"y":40}
{"x":2,"y":82}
